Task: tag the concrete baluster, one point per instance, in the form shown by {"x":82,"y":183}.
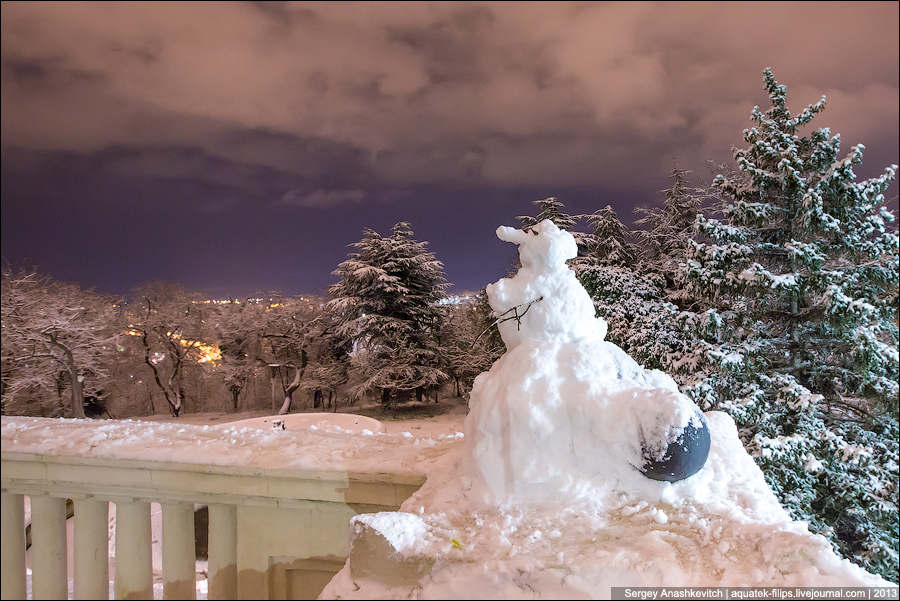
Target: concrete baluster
{"x":178,"y":551}
{"x":12,"y":537}
{"x":222,"y":552}
{"x":49,"y":577}
{"x":91,"y":557}
{"x":134,"y":559}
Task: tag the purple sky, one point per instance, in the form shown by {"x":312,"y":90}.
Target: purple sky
{"x":241,"y":147}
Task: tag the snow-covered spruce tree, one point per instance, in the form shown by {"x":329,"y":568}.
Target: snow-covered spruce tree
{"x":801,"y":277}
{"x":666,"y":233}
{"x":652,"y":330}
{"x":387,"y":303}
{"x":623,"y":297}
{"x":551,"y":209}
{"x":608,"y":245}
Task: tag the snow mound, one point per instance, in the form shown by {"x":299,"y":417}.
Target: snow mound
{"x":547,"y":498}
{"x":732,"y":532}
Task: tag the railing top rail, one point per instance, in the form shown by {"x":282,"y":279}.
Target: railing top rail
{"x":113,"y":479}
{"x":227,"y":446}
{"x":181,"y":462}
{"x":212,"y":469}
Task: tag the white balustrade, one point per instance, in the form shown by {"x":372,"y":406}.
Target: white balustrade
{"x":222,"y":551}
{"x":268,"y":528}
{"x":91,"y":555}
{"x":134,"y":559}
{"x":12,"y":537}
{"x":178,"y":551}
{"x":48,"y":541}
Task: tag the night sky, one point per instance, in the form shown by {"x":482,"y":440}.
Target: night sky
{"x":239,"y":148}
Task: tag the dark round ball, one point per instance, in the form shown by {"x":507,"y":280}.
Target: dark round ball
{"x":683,"y":458}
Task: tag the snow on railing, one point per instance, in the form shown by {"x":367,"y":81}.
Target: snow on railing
{"x":274,"y":532}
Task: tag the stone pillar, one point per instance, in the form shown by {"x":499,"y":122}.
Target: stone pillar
{"x":222,"y":552}
{"x":134,"y":559}
{"x":91,"y":556}
{"x":12,"y":537}
{"x":178,"y":551}
{"x":49,"y":577}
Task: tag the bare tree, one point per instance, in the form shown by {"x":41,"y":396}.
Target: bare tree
{"x":240,"y":326}
{"x":289,"y":333}
{"x":56,"y":338}
{"x":173,"y":334}
{"x":329,"y":359}
{"x":471,"y":343}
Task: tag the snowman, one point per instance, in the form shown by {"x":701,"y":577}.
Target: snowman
{"x":564,"y":415}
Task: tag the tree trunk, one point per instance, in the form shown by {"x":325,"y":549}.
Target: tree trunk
{"x":420,"y":393}
{"x":293,"y":386}
{"x":168,"y":393}
{"x":289,"y":391}
{"x":59,"y":408}
{"x":177,"y":392}
{"x":77,"y":396}
{"x":387,"y":400}
{"x":317,"y":399}
{"x":77,"y":383}
{"x":286,"y":404}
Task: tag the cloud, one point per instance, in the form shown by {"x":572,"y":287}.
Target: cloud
{"x":562,"y":93}
{"x":321,"y":199}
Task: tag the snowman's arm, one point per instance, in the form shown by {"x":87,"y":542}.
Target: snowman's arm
{"x":516,"y":315}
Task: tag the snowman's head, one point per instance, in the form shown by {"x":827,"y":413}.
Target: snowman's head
{"x":543,"y":248}
{"x":543,"y":301}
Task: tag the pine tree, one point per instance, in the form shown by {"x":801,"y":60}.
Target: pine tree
{"x":551,"y":209}
{"x":801,"y":277}
{"x":387,"y":302}
{"x":668,"y":231}
{"x":608,"y":244}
